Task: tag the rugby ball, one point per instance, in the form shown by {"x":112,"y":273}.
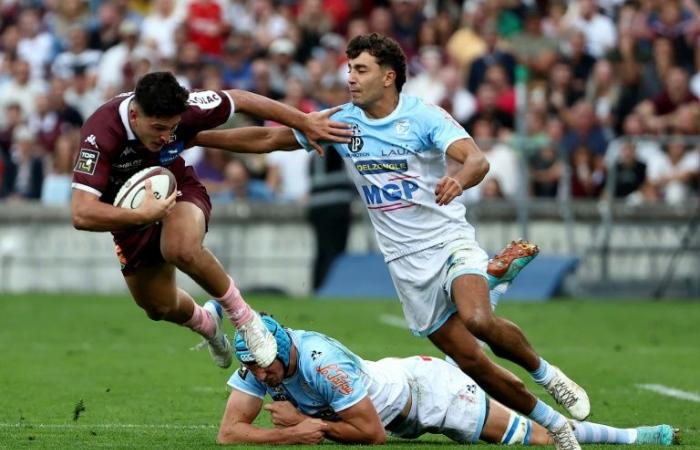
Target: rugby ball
{"x":132,"y":192}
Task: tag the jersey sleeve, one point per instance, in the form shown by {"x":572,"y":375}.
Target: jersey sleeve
{"x":94,"y":159}
{"x":338,"y":380}
{"x":304,"y":143}
{"x":244,"y":381}
{"x":207,"y":110}
{"x":442,"y":128}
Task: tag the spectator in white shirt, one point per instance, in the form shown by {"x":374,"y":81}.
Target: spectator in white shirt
{"x":599,"y":29}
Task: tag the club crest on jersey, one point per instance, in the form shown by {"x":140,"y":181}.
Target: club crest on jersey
{"x":356,"y":142}
{"x":87,"y":161}
{"x":402,"y":127}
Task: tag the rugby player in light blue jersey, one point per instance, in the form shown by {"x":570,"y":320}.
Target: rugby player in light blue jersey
{"x":397,"y":160}
{"x":322,"y":390}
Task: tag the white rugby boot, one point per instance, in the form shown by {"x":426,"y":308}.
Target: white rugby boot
{"x":564,"y":438}
{"x":569,"y":395}
{"x":219,"y":346}
{"x":259,"y":341}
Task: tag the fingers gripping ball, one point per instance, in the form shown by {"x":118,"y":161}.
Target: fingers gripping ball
{"x":132,"y":192}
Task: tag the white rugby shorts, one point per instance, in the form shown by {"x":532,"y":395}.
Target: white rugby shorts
{"x":423,"y":281}
{"x":444,"y":401}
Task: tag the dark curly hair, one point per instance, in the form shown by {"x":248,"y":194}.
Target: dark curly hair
{"x":160,"y":95}
{"x":386,"y":50}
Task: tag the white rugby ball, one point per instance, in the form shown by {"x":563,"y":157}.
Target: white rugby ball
{"x":132,"y":192}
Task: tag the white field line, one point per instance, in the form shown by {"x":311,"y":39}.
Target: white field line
{"x":108,"y":426}
{"x":671,"y":392}
{"x":392,"y":320}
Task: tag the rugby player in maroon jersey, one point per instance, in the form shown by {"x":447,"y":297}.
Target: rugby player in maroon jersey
{"x":151,"y":127}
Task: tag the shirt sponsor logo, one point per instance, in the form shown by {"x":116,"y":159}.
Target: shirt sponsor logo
{"x":87,"y":161}
{"x":169,"y":152}
{"x":204,"y":99}
{"x":381,"y":166}
{"x":128,"y":165}
{"x":338,"y":378}
{"x":390,"y":192}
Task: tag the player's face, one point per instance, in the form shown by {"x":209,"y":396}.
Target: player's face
{"x":367,"y":80}
{"x":153,"y":132}
{"x":271,"y":375}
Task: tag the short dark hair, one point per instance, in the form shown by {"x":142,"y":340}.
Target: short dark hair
{"x":385,"y":49}
{"x":160,"y":95}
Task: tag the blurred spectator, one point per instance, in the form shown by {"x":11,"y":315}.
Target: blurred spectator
{"x":502,"y":159}
{"x":36,"y":46}
{"x":104,"y":31}
{"x":237,"y":70}
{"x":210,"y":170}
{"x":81,"y":92}
{"x":240,"y":186}
{"x":407,"y":20}
{"x":282,"y":65}
{"x":24,"y":168}
{"x":587,"y":174}
{"x":658,"y":112}
{"x":584,"y":131}
{"x":12,"y":118}
{"x":427,"y":84}
{"x":630,"y":173}
{"x":554,"y":24}
{"x":489,"y":109}
{"x":599,"y":29}
{"x":677,"y":24}
{"x":603,"y":92}
{"x":657,"y":68}
{"x":532,"y":48}
{"x":545,"y":172}
{"x":261,"y":79}
{"x":671,"y":177}
{"x":20,"y":89}
{"x":287,"y":175}
{"x":115,"y":65}
{"x":56,"y":188}
{"x":158,"y":28}
{"x":579,"y":60}
{"x":492,"y":56}
{"x":497,"y":77}
{"x":77,"y":54}
{"x":561,"y":92}
{"x":330,"y":199}
{"x":64,"y":15}
{"x":269,"y":24}
{"x":647,"y":149}
{"x":314,"y":22}
{"x":456,"y":100}
{"x":206,"y":26}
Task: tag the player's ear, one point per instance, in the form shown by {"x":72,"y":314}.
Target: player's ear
{"x":389,"y":77}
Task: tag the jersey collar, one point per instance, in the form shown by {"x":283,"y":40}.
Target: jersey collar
{"x":391,"y":116}
{"x":124,"y":115}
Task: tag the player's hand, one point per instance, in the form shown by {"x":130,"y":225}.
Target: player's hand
{"x":310,"y":431}
{"x":318,"y":126}
{"x":284,"y":414}
{"x":153,"y":209}
{"x":446,"y":190}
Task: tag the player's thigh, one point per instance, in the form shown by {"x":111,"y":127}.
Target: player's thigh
{"x":455,"y":340}
{"x":153,"y":288}
{"x":470,"y":294}
{"x":183,"y":230}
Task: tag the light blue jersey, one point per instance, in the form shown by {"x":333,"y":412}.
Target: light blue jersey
{"x":329,"y":379}
{"x":396,"y":162}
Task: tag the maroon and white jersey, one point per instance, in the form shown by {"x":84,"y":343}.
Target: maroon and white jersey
{"x":110,"y":152}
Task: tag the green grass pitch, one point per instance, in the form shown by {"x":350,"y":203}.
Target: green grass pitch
{"x":94,"y":372}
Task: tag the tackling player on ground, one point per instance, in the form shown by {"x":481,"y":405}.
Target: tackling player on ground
{"x":151,"y":127}
{"x":396,"y":159}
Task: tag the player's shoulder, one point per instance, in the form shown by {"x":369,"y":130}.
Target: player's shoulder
{"x":105,"y":128}
{"x":206,"y":99}
{"x":416,"y":105}
{"x":345,"y":110}
{"x":317,"y":350}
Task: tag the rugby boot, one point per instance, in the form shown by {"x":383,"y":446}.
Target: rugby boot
{"x":569,"y":395}
{"x":507,"y":264}
{"x":219,"y":346}
{"x":259,"y":340}
{"x":659,"y":435}
{"x":564,"y":438}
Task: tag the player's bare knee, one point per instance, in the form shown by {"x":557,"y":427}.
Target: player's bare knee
{"x":479,"y":323}
{"x":157,"y":312}
{"x":182,"y":255}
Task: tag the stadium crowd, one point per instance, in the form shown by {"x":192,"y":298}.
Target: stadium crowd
{"x":595,"y":71}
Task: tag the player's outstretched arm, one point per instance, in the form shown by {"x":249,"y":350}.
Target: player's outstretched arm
{"x":237,"y":425}
{"x":315,"y":127}
{"x":90,"y":214}
{"x":474,"y":169}
{"x":248,"y":139}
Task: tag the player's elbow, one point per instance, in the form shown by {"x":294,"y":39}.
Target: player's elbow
{"x":80,"y":221}
{"x":484,"y":166}
{"x":227,"y":436}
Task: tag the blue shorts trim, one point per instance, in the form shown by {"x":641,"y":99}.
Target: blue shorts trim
{"x":482,"y":418}
{"x":440,"y":322}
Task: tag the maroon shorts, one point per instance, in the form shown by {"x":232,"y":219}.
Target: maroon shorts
{"x":140,"y":248}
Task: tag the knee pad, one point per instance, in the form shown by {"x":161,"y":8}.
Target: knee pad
{"x":518,"y":430}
